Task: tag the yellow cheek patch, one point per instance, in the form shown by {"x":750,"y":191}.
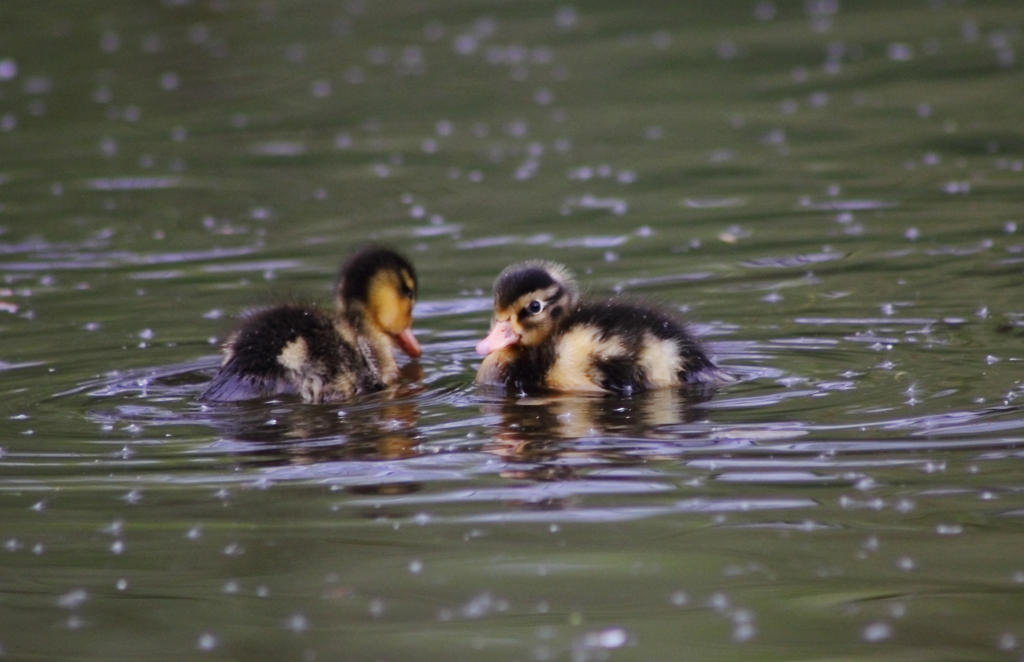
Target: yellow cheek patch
{"x":387,"y":305}
{"x":577,"y":354}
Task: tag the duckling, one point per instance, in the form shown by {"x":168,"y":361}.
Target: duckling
{"x":543,"y":337}
{"x":295,"y":348}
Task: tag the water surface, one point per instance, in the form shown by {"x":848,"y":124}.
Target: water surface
{"x":830,"y":191}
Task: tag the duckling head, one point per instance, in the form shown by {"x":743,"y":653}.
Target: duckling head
{"x":531,"y":299}
{"x":380,"y":285}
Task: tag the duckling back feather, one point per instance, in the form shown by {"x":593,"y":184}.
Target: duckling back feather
{"x":275,"y":348}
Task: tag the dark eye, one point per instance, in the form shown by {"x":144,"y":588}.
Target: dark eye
{"x":534,"y":307}
{"x":408,"y":292}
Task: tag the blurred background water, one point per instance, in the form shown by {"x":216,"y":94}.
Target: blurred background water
{"x":831,"y":191}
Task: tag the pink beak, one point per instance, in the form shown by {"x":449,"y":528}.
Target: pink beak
{"x":407,"y":342}
{"x":501,"y":335}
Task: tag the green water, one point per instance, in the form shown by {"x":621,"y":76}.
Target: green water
{"x":831,"y":191}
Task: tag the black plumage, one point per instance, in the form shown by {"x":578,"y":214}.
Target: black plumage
{"x":253,"y":367}
{"x":528,"y":279}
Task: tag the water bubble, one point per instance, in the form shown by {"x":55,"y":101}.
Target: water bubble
{"x":169,"y":81}
{"x":207,"y":641}
{"x":956,"y":187}
{"x":566,"y":18}
{"x":876,"y":632}
{"x":320,"y":89}
{"x":625,"y":177}
{"x":297,"y":622}
{"x":465,"y":44}
{"x":818,"y":99}
{"x":743,"y":632}
{"x":8,"y":69}
{"x":73,"y":599}
{"x":108,"y":146}
{"x":482,"y":605}
{"x":613,"y":637}
{"x":109,"y":41}
{"x":900,"y":52}
{"x":718,"y":601}
{"x":233,"y":549}
{"x":726,"y":49}
{"x":679,"y":598}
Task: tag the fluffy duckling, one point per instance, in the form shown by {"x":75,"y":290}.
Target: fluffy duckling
{"x":543,"y":337}
{"x":294,"y":348}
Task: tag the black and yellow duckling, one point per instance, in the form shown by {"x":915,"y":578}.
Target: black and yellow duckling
{"x":544,"y":338}
{"x":294,"y":348}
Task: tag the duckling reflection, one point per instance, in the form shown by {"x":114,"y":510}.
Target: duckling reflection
{"x":377,"y":427}
{"x":531,"y":428}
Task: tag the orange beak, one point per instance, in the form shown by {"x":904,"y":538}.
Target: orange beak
{"x":502,"y":335}
{"x":407,"y":342}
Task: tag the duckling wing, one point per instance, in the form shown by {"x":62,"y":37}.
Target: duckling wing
{"x":619,"y":375}
{"x":229,"y":386}
{"x":637,"y":346}
{"x":272,"y":350}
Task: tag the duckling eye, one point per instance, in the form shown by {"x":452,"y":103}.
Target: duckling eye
{"x":534,"y":307}
{"x":405,"y":290}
